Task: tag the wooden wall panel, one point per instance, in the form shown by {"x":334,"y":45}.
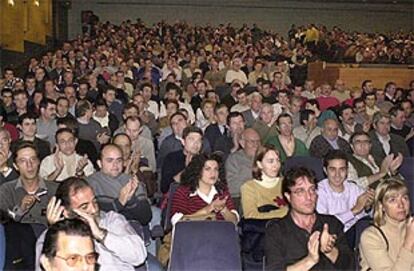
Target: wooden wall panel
{"x":12,"y":25}
{"x":354,"y":76}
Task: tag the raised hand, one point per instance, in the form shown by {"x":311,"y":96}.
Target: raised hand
{"x":28,"y":201}
{"x":81,"y":164}
{"x":219,"y":204}
{"x":103,"y":138}
{"x":128,"y":190}
{"x":54,"y":211}
{"x":327,"y":241}
{"x":409,"y":236}
{"x":58,"y":161}
{"x":396,"y":163}
{"x":313,"y":247}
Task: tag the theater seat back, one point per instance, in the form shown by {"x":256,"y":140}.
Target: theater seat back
{"x":205,"y":245}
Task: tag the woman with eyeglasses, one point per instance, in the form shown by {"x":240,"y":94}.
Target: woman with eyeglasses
{"x":389,"y":243}
{"x":262,"y":197}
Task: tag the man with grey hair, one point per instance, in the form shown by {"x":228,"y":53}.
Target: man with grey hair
{"x":266,"y":125}
{"x":256,"y":103}
{"x":384,"y":142}
{"x":239,"y":164}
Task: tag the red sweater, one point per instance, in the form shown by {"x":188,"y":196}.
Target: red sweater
{"x":187,"y":205}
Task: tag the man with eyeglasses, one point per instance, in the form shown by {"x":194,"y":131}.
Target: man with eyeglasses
{"x":362,"y":167}
{"x":304,"y":239}
{"x":65,"y":162}
{"x":69,"y":246}
{"x":25,"y":199}
{"x":119,"y":246}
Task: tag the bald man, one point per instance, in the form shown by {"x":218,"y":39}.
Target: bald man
{"x":328,"y":140}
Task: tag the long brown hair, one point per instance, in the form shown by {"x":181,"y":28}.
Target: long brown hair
{"x":256,"y":171}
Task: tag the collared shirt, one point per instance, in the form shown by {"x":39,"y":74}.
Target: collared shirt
{"x":121,"y":250}
{"x":286,"y":244}
{"x":339,"y":204}
{"x":353,"y":174}
{"x":12,"y":193}
{"x":385,"y":142}
{"x":333,"y":143}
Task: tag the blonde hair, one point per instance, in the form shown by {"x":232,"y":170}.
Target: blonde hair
{"x":384,"y":190}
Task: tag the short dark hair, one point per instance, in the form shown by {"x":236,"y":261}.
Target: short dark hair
{"x":28,"y":115}
{"x":295,"y":173}
{"x":133,"y":118}
{"x":61,"y":98}
{"x":305,"y":114}
{"x":343,"y":108}
{"x":191,"y":129}
{"x":358,"y":100}
{"x":69,"y":187}
{"x":334,"y":155}
{"x":234,"y":114}
{"x":173,"y":86}
{"x":119,"y":135}
{"x":23,"y":145}
{"x":20,"y":92}
{"x":358,"y":133}
{"x":45,"y":102}
{"x":64,"y":130}
{"x":74,"y":227}
{"x":283,"y":115}
{"x":394,"y":110}
{"x":365,"y":82}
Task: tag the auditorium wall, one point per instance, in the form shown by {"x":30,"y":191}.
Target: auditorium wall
{"x":361,"y":15}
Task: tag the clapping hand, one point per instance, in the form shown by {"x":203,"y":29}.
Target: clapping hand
{"x":128,"y":190}
{"x":54,"y":211}
{"x":327,"y":240}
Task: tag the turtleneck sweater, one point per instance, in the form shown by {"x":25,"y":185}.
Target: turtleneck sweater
{"x":373,"y":248}
{"x":258,"y":193}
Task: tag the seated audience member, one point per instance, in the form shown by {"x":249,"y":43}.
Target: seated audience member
{"x":383,"y":142}
{"x":146,"y":92}
{"x":62,"y":108}
{"x":239,"y":164}
{"x":360,"y":111}
{"x":235,"y":73}
{"x":65,"y":162}
{"x":362,"y":168}
{"x":205,"y":114}
{"x":340,"y":197}
{"x":199,"y":96}
{"x":398,"y":125}
{"x":308,"y":128}
{"x":104,"y":117}
{"x":21,"y":102}
{"x":83,"y":147}
{"x":25,"y":199}
{"x":295,"y":105}
{"x":347,"y":123}
{"x":408,"y":108}
{"x":370,"y":104}
{"x":135,"y":164}
{"x":69,"y":244}
{"x":231,"y":99}
{"x":251,"y":115}
{"x":242,"y":102}
{"x":7,"y":169}
{"x":283,"y":102}
{"x":88,"y":128}
{"x":118,"y":245}
{"x":46,"y":123}
{"x":171,"y":107}
{"x":218,"y":132}
{"x":203,"y":191}
{"x":389,"y":243}
{"x":381,"y":103}
{"x":118,"y":191}
{"x":262,"y":197}
{"x":171,"y":172}
{"x":133,"y":129}
{"x":304,"y":239}
{"x":340,"y":91}
{"x":146,"y":116}
{"x":328,"y":140}
{"x":174,"y":92}
{"x":325,"y":99}
{"x":132,"y":110}
{"x":28,"y":129}
{"x":266,"y":124}
{"x":285,"y":142}
{"x":14,"y":133}
{"x":114,"y":105}
{"x":266,"y":91}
